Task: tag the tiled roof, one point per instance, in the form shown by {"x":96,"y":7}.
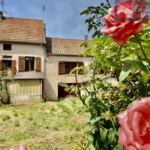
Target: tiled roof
{"x":22,"y":30}
{"x":64,"y":46}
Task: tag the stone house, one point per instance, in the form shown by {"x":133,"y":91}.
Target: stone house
{"x":22,"y":54}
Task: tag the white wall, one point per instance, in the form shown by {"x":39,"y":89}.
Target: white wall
{"x":52,"y":78}
{"x":20,"y":49}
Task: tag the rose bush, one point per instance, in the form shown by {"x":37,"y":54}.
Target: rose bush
{"x":120,"y":31}
{"x":131,"y":62}
{"x":135,"y":126}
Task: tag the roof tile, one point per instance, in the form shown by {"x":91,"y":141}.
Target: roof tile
{"x":64,"y":46}
{"x":22,"y":30}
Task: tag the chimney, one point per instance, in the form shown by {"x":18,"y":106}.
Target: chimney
{"x":86,"y":38}
{"x":1,"y":16}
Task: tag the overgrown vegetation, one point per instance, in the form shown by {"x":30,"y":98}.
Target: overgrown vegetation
{"x":48,"y":126}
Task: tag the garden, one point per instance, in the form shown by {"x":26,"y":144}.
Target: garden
{"x":107,"y":117}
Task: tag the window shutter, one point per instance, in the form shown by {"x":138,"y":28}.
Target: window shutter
{"x":61,"y":67}
{"x":21,"y":63}
{"x":13,"y":66}
{"x":1,"y":66}
{"x":79,"y":65}
{"x":38,"y":64}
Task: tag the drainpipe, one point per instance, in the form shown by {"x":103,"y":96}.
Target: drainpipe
{"x":44,"y":55}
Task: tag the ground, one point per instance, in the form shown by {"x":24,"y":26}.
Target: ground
{"x":41,"y":126}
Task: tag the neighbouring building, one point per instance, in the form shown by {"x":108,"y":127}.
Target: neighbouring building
{"x":22,"y":54}
{"x":62,"y":57}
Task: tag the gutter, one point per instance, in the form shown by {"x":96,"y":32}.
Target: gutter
{"x":48,"y":54}
{"x":23,"y":42}
{"x":29,"y":78}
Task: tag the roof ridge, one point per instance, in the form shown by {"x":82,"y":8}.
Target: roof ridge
{"x":65,"y":38}
{"x":22,"y":18}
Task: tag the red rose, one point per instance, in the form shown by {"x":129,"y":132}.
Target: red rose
{"x":120,"y":31}
{"x":135,"y":126}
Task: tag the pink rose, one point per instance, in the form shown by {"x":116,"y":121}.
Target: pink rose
{"x":135,"y":126}
{"x":21,"y":147}
{"x":120,"y":31}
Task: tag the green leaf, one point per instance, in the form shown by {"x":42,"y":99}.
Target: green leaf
{"x":103,"y":133}
{"x":95,"y":27}
{"x":93,"y":121}
{"x":84,"y":12}
{"x":115,"y":65}
{"x":142,"y":67}
{"x":145,"y":77}
{"x":118,"y":132}
{"x":125,"y":72}
{"x":83,"y":44}
{"x":118,"y":147}
{"x":129,"y":58}
{"x":119,"y":52}
{"x":96,"y":41}
{"x":102,"y":12}
{"x":111,"y":136}
{"x":95,"y":33}
{"x":90,"y":28}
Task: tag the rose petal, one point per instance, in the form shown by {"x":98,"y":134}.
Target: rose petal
{"x":22,"y":147}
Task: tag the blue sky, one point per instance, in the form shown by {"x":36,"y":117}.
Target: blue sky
{"x":62,"y":17}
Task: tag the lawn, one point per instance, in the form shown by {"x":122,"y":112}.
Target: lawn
{"x":41,"y":126}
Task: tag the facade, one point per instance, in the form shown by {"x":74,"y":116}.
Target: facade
{"x":62,"y":57}
{"x":38,"y":65}
{"x":22,"y":54}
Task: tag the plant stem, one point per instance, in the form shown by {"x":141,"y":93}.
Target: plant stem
{"x":142,"y":50}
{"x":108,"y":3}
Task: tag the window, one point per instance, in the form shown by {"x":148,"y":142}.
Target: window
{"x":29,"y":63}
{"x":66,"y":67}
{"x":7,"y":64}
{"x":6,"y":46}
{"x":69,"y":66}
{"x":103,"y":71}
{"x":7,"y":57}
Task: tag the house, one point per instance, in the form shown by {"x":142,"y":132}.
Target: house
{"x":22,"y":54}
{"x":62,"y":57}
{"x":38,"y":64}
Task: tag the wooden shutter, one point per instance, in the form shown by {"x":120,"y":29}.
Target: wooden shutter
{"x":21,"y":63}
{"x":79,"y":65}
{"x":13,"y":66}
{"x":38,"y":64}
{"x":61,"y":67}
{"x":1,"y":65}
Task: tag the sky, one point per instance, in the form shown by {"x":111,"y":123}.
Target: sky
{"x":62,"y":17}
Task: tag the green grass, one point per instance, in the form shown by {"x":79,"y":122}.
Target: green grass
{"x":48,"y":126}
